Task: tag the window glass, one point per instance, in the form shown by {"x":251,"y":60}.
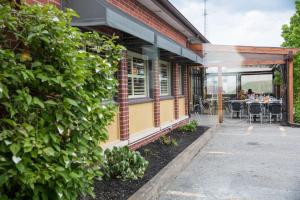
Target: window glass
{"x":258,"y":83}
{"x":164,"y":78}
{"x":136,"y":77}
{"x":229,"y":84}
{"x":180,"y":80}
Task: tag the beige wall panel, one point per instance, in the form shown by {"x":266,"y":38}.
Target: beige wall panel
{"x":114,"y":129}
{"x":181,"y":107}
{"x":141,"y":117}
{"x":167,"y":111}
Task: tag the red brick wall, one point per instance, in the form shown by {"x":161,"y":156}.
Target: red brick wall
{"x":138,"y":11}
{"x":157,"y":135}
{"x":55,"y":2}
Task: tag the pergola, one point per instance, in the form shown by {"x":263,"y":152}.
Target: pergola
{"x":248,"y":56}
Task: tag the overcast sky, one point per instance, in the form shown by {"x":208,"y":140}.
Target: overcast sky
{"x":239,"y":22}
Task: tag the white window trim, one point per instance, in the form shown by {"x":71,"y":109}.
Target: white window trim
{"x":131,"y":55}
{"x":168,"y":77}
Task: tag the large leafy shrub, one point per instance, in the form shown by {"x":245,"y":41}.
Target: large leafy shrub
{"x":53,"y":89}
{"x":124,"y":164}
{"x":291,"y":36}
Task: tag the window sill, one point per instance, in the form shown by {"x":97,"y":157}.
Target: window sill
{"x":166,"y":98}
{"x":139,"y":100}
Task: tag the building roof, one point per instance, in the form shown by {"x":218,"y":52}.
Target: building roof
{"x":168,"y":12}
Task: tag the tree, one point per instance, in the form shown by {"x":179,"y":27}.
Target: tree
{"x":55,"y":90}
{"x":291,"y":35}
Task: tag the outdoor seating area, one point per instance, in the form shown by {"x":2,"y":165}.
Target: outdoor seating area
{"x":255,"y":94}
{"x":267,"y":109}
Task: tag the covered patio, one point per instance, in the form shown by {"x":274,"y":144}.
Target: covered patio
{"x":243,"y":82}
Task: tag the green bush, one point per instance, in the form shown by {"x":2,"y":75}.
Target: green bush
{"x":167,"y":140}
{"x":290,"y":34}
{"x":124,"y":164}
{"x":53,"y":86}
{"x":297,"y":110}
{"x":190,"y":127}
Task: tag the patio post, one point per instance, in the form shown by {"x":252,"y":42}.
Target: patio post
{"x":220,"y":91}
{"x":290,"y":68}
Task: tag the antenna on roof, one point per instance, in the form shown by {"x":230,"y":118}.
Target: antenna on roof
{"x":204,"y":19}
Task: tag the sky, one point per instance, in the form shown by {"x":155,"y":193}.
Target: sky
{"x":239,"y":22}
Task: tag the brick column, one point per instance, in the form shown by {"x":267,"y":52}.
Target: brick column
{"x":175,"y":88}
{"x":123,"y":97}
{"x":156,"y":91}
{"x":186,"y":89}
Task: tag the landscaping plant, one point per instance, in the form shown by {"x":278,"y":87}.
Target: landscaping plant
{"x":190,"y":127}
{"x":167,"y":140}
{"x":55,"y":91}
{"x":123,"y":163}
{"x":291,"y":36}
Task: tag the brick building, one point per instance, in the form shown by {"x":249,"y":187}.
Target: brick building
{"x":155,"y":80}
{"x":153,"y":95}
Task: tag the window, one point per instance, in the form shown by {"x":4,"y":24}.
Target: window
{"x":137,"y":77}
{"x":258,"y":83}
{"x":228,"y":84}
{"x":181,"y":80}
{"x":164,"y":78}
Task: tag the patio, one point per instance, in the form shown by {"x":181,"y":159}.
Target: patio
{"x":245,"y":83}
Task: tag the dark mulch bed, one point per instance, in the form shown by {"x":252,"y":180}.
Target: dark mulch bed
{"x":158,"y":155}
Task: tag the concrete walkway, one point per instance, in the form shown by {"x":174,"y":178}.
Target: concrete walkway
{"x":242,"y":162}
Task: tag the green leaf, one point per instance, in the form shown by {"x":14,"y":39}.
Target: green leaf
{"x":3,"y":179}
{"x":50,"y":102}
{"x":15,"y":148}
{"x":37,"y":101}
{"x":20,"y":167}
{"x":49,"y":151}
{"x":36,"y":64}
{"x":10,"y":122}
{"x":71,"y":102}
{"x":42,"y":77}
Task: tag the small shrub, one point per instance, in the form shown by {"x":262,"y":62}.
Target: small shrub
{"x":167,"y":140}
{"x":174,"y":142}
{"x":191,"y":127}
{"x":124,"y":164}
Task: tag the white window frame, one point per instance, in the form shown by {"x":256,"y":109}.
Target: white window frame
{"x":130,"y":56}
{"x":168,"y":77}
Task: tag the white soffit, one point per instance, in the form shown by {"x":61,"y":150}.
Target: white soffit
{"x":166,"y":17}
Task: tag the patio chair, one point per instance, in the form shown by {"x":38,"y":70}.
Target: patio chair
{"x":201,"y":106}
{"x":236,"y":107}
{"x":275,"y":109}
{"x":255,"y":109}
{"x":196,"y":104}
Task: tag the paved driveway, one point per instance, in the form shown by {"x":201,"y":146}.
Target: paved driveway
{"x":242,"y":162}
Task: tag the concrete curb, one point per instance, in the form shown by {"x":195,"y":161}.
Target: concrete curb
{"x":152,"y":188}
